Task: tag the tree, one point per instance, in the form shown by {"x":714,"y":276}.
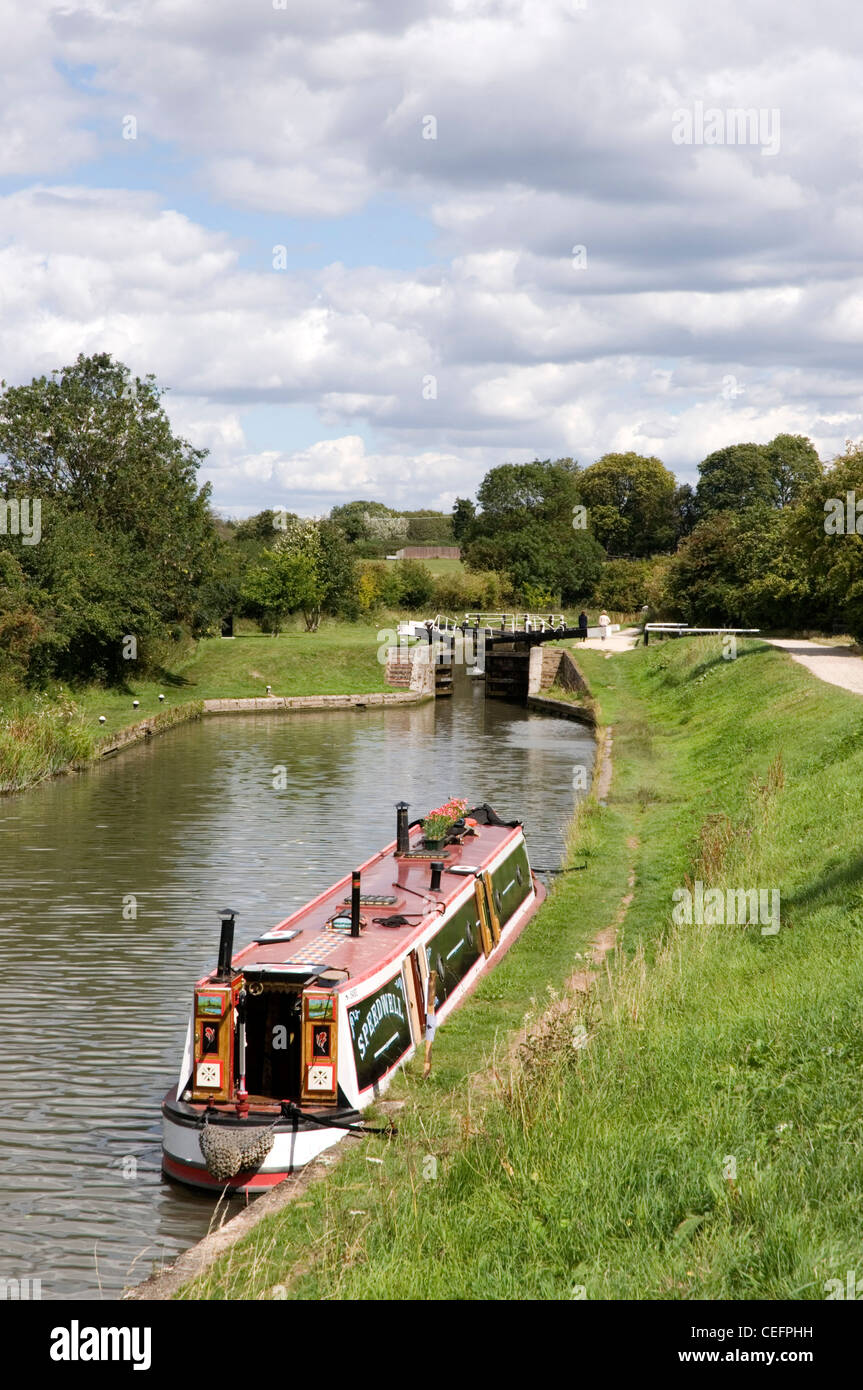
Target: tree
{"x":631,"y":503}
{"x":96,"y":447}
{"x":415,"y":583}
{"x":525,"y":529}
{"x":703,"y":582}
{"x":733,"y":478}
{"x":367,"y":521}
{"x":515,"y":492}
{"x":463,"y":517}
{"x":746,"y":475}
{"x":309,"y":569}
{"x":281,"y":583}
{"x":828,"y":549}
{"x":740,"y":569}
{"x":552,"y":557}
{"x":264,"y":526}
{"x":20,"y":625}
{"x":623,"y":585}
{"x":794,"y":466}
{"x":220,"y":592}
{"x":338,"y":572}
{"x":685,"y":510}
{"x":90,"y":589}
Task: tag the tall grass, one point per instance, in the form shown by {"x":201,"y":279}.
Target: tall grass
{"x":693,"y":1129}
{"x":41,"y":739}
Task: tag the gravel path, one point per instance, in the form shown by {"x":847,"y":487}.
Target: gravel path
{"x":832,"y":664}
{"x":622,"y":641}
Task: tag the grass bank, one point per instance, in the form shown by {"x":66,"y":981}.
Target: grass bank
{"x":43,"y":734}
{"x":338,"y":659}
{"x":692,"y":1131}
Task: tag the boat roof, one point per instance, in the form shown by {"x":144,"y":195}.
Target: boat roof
{"x":307,"y":948}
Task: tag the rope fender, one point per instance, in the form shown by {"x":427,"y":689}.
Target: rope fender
{"x":228,"y":1151}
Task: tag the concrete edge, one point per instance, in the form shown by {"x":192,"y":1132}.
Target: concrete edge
{"x":285,"y":704}
{"x":289,"y":703}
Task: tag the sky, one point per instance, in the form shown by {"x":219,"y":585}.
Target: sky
{"x":373,"y":248}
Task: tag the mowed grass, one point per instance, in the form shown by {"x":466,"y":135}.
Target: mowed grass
{"x":338,"y":659}
{"x":707,"y":1141}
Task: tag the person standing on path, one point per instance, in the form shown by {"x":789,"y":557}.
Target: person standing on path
{"x":582,"y":625}
{"x":604,"y":624}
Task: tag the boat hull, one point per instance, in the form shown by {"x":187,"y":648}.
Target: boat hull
{"x":294,"y":1145}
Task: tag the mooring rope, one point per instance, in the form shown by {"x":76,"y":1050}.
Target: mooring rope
{"x":291,"y":1111}
{"x":574,"y":870}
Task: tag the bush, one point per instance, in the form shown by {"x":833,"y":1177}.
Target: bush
{"x":416,"y":583}
{"x":393,"y":584}
{"x":537,"y":598}
{"x":623,"y":585}
{"x":410,"y":584}
{"x":484,"y":590}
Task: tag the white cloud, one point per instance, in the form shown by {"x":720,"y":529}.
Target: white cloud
{"x":553,"y":130}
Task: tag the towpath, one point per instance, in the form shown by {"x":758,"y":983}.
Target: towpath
{"x":832,"y":664}
{"x":615,"y":642}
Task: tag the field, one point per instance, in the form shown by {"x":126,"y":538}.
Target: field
{"x":444,"y":566}
{"x":694,"y":1130}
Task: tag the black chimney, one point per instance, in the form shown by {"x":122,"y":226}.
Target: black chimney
{"x":355,"y":903}
{"x":437,"y":869}
{"x":402,"y":836}
{"x":226,"y":943}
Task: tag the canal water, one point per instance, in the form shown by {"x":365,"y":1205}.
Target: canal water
{"x":110,"y":885}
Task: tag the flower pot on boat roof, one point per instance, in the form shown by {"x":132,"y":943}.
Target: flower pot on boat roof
{"x":438,"y":824}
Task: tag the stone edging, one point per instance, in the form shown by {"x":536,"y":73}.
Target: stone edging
{"x":148,"y":728}
{"x":300,"y":702}
{"x":563,"y":709}
{"x":548,"y":664}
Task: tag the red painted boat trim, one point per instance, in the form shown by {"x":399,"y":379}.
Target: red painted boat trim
{"x":195,"y":1176}
{"x":398,"y":951}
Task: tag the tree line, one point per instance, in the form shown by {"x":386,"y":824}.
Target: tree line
{"x":130,"y":544}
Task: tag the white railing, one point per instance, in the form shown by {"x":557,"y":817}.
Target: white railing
{"x":517,"y":622}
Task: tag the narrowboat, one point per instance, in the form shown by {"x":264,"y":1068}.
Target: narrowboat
{"x":294,"y":1035}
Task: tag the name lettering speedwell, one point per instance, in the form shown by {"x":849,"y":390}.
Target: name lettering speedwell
{"x":387,"y":1005}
